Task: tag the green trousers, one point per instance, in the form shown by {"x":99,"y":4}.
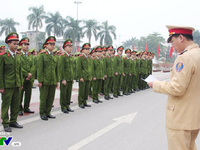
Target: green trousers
{"x":102,"y":87}
{"x":125,"y":83}
{"x":65,"y":94}
{"x":96,"y":88}
{"x":137,"y":80}
{"x":117,"y":84}
{"x":83,"y":92}
{"x":107,"y":85}
{"x":141,"y":82}
{"x":26,"y":92}
{"x":11,"y":98}
{"x":47,"y":93}
{"x":133,"y":82}
{"x":90,"y":88}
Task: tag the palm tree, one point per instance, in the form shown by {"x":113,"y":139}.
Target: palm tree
{"x":129,"y":43}
{"x":36,"y":17}
{"x":7,"y":26}
{"x":105,"y":34}
{"x":91,"y":26}
{"x":72,"y":30}
{"x":54,"y":26}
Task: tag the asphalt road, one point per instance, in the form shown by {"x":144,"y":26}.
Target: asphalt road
{"x":94,"y":128}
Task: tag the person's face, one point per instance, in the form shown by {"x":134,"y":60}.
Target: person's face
{"x":86,"y":51}
{"x":133,"y":55}
{"x":128,"y":54}
{"x":93,"y":54}
{"x":104,"y":52}
{"x":99,"y":53}
{"x":110,"y":51}
{"x":25,"y":46}
{"x":177,"y":43}
{"x":112,"y":55}
{"x":34,"y":53}
{"x":2,"y":50}
{"x":120,"y":52}
{"x":13,"y":45}
{"x":68,"y":49}
{"x":51,"y":46}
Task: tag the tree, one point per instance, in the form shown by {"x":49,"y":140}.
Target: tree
{"x":129,"y":43}
{"x":36,"y":17}
{"x":196,"y":37}
{"x":7,"y":26}
{"x":105,"y":34}
{"x":54,"y":24}
{"x":91,"y":27}
{"x":72,"y":30}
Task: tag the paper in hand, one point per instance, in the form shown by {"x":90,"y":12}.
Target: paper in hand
{"x":150,"y":78}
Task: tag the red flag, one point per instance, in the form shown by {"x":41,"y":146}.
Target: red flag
{"x":60,"y":47}
{"x":158,"y":52}
{"x":133,"y":46}
{"x":171,"y":51}
{"x":79,"y":47}
{"x":146,"y":47}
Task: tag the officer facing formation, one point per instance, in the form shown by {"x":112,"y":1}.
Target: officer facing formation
{"x":2,"y":48}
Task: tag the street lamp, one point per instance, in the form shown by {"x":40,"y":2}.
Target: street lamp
{"x":77,"y":2}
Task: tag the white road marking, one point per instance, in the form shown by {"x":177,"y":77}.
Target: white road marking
{"x":124,"y":119}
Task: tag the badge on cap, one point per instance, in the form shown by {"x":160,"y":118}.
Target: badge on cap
{"x":179,"y":67}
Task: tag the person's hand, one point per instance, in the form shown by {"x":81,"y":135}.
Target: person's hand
{"x":130,"y":74}
{"x":116,"y":73}
{"x":105,"y":76}
{"x":29,"y":75}
{"x":94,"y":79}
{"x":150,"y":84}
{"x":57,"y":85}
{"x":27,"y":78}
{"x":2,"y":91}
{"x":40,"y":84}
{"x":124,"y":74}
{"x":81,"y":79}
{"x":64,"y":82}
{"x":21,"y":87}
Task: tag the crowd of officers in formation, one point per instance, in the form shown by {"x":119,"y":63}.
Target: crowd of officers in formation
{"x":101,"y":70}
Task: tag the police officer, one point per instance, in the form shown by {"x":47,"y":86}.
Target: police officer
{"x":2,"y":48}
{"x":183,"y":105}
{"x":66,"y":73}
{"x":47,"y":74}
{"x":83,"y":75}
{"x":10,"y":83}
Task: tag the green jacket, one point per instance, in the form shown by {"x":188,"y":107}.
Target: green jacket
{"x":97,"y":68}
{"x":47,"y":68}
{"x":133,"y":66}
{"x":108,"y":66}
{"x":90,"y":67}
{"x":138,"y":71}
{"x":118,"y":64}
{"x":28,"y":66}
{"x":10,"y":71}
{"x":66,"y":67}
{"x":83,"y":67}
{"x":126,"y":65}
{"x":144,"y":67}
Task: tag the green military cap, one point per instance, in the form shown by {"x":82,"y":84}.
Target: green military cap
{"x":31,"y":50}
{"x":98,"y":49}
{"x":50,"y":39}
{"x":138,"y":53}
{"x":67,"y":42}
{"x":2,"y":46}
{"x":104,"y":48}
{"x":77,"y":53}
{"x":19,"y":47}
{"x":110,"y":47}
{"x":134,"y":52}
{"x":128,"y":50}
{"x":120,"y":48}
{"x":55,"y":50}
{"x":86,"y":45}
{"x":93,"y":50}
{"x":13,"y":36}
{"x":24,"y":40}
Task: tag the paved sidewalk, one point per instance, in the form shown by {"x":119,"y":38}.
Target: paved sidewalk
{"x":35,"y":93}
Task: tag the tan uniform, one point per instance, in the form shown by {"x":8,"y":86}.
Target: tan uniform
{"x":183,"y":105}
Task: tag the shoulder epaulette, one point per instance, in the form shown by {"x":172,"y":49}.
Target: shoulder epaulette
{"x":93,"y":58}
{"x":124,"y":57}
{"x":2,"y":53}
{"x":81,"y":55}
{"x":42,"y":51}
{"x":63,"y":54}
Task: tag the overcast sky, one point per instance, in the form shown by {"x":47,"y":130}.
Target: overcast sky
{"x":132,"y":18}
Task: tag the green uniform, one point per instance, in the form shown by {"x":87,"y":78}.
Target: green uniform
{"x":137,"y":72}
{"x":28,"y":66}
{"x":97,"y":72}
{"x":127,"y":72}
{"x":133,"y":74}
{"x":118,"y":67}
{"x":47,"y":73}
{"x":108,"y":71}
{"x":83,"y":72}
{"x":144,"y":71}
{"x":10,"y":81}
{"x":90,"y":74}
{"x":66,"y":72}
